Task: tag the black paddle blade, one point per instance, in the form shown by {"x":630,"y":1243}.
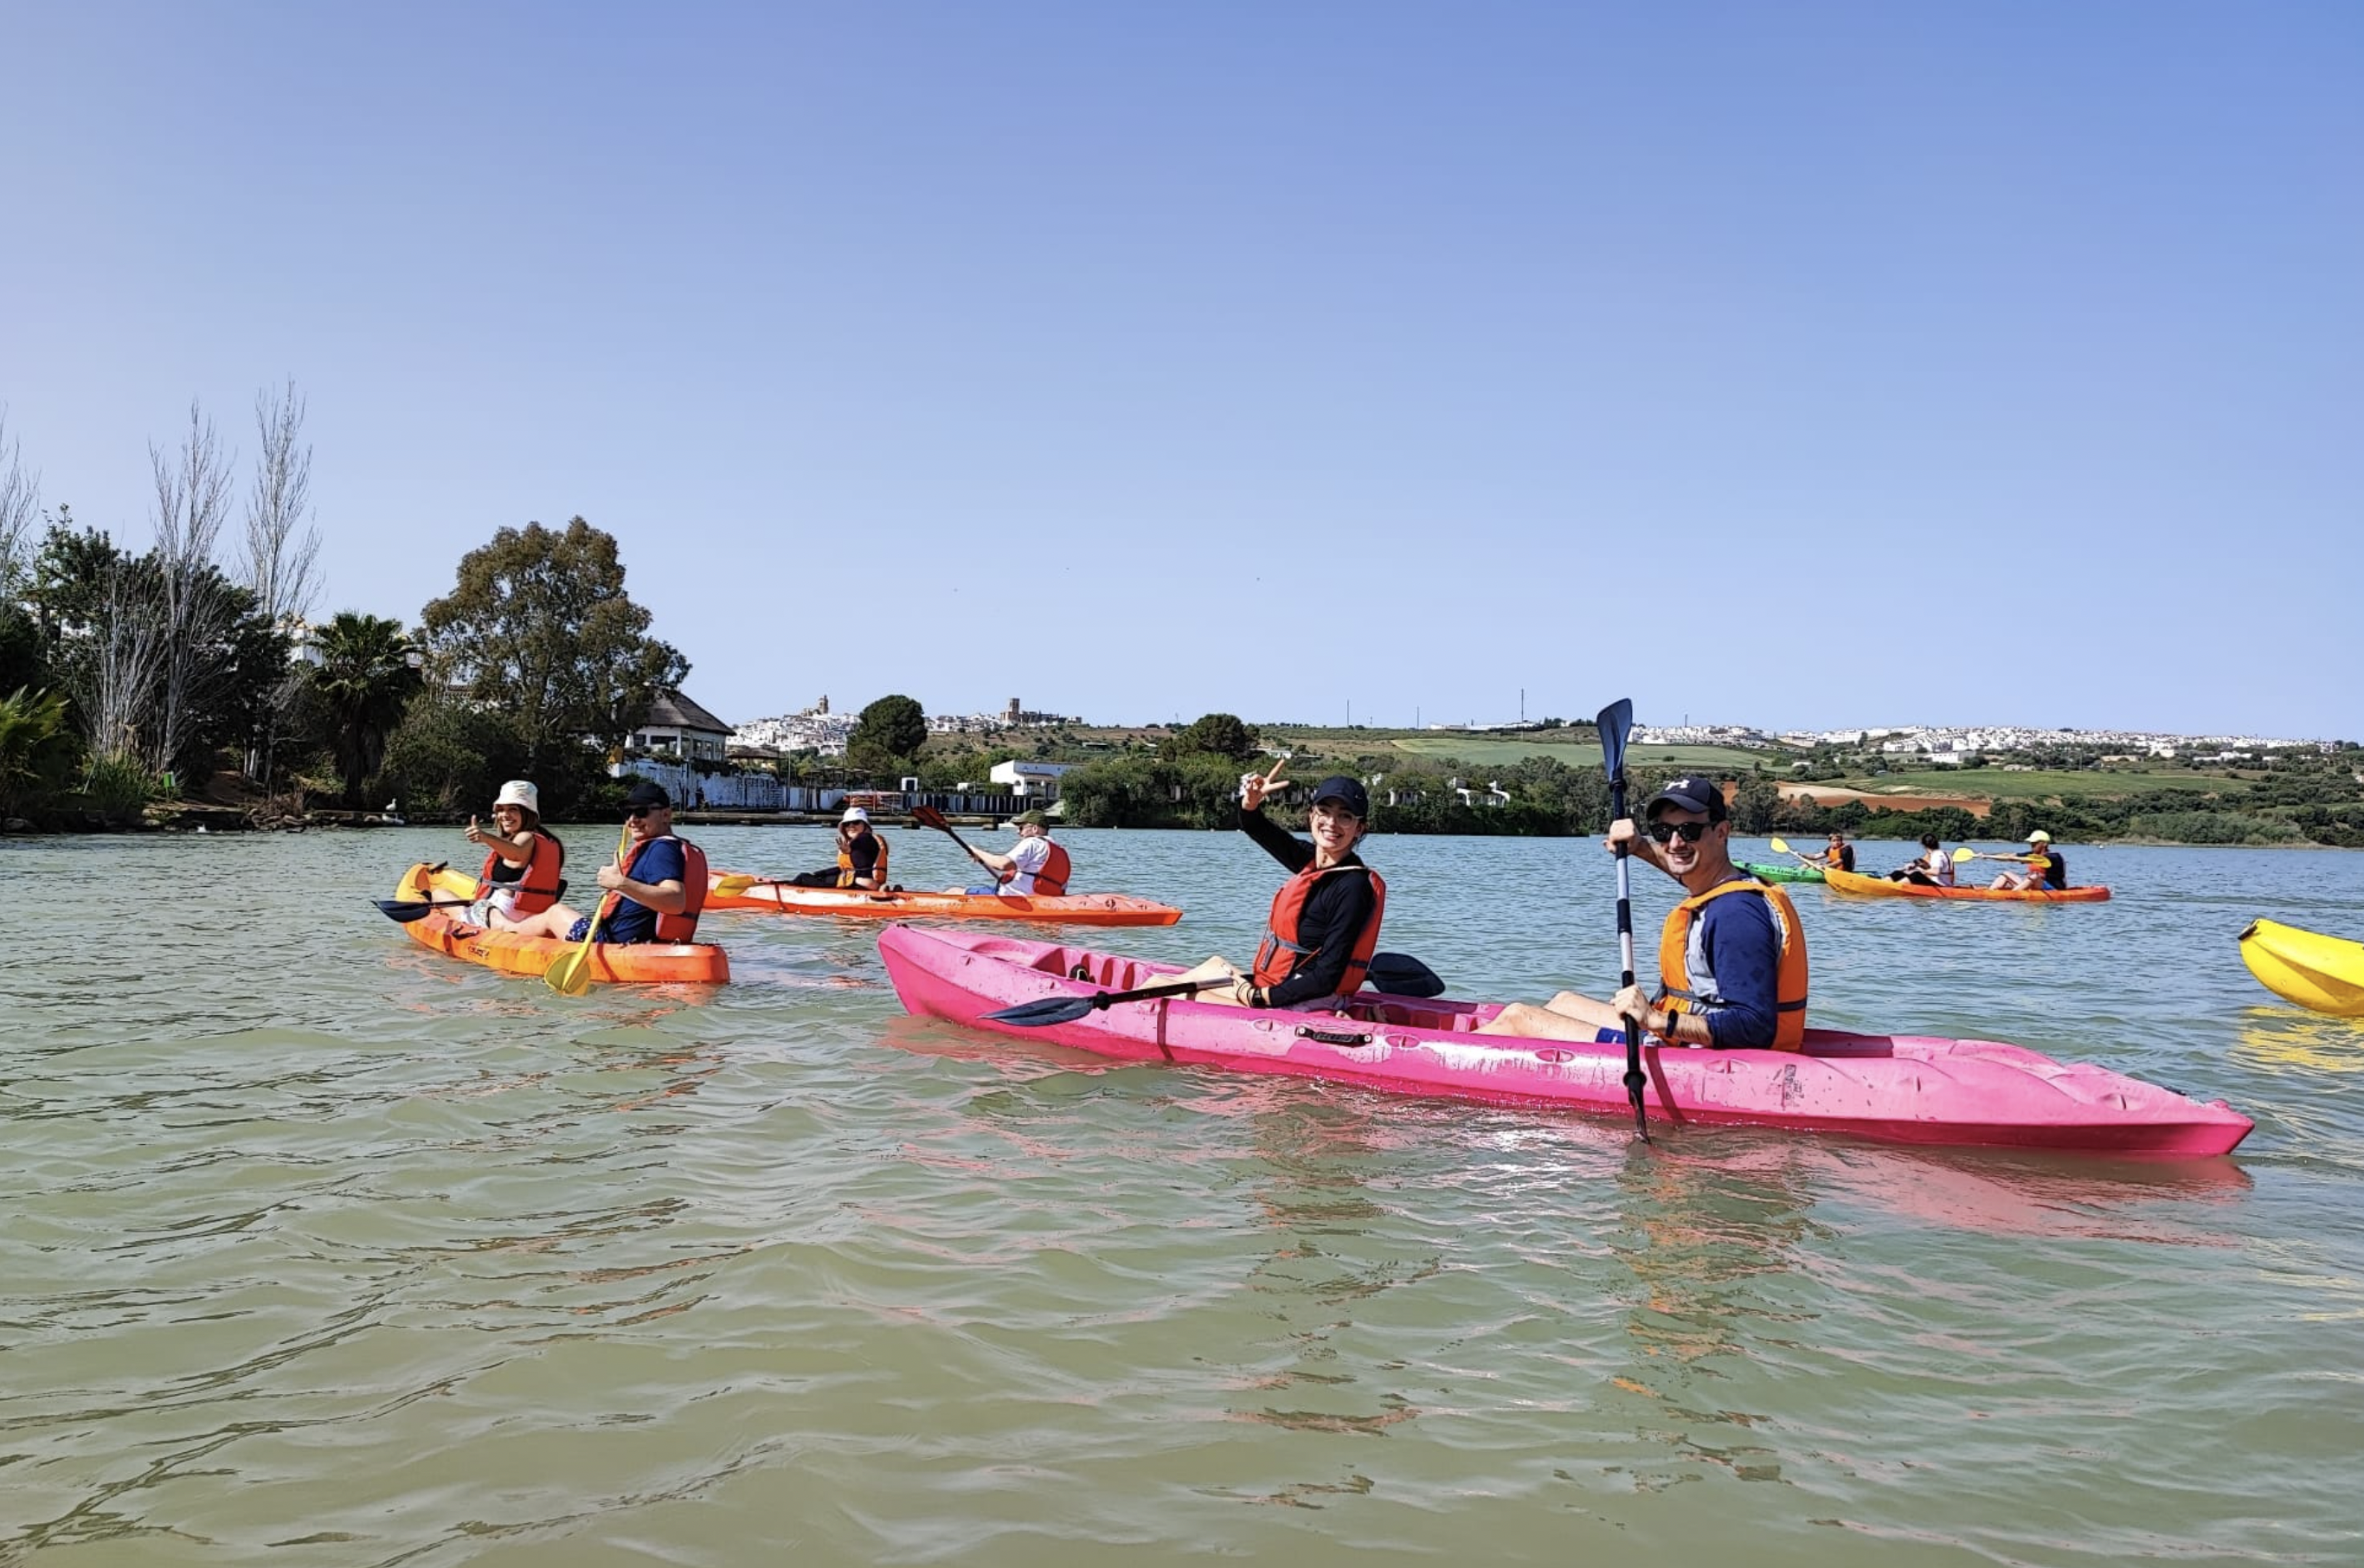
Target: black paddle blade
{"x":403,"y":911}
{"x":1400,"y":975}
{"x":1043,"y":1014}
{"x":1616,"y":721}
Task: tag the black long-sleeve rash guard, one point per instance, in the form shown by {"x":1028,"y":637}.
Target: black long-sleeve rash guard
{"x":1334,"y":915}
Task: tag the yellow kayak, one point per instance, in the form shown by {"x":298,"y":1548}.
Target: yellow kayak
{"x":2326,"y":973}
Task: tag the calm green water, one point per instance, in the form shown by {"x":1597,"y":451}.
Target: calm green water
{"x":320,"y":1248}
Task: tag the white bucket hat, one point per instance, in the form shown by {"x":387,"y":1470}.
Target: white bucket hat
{"x":518,"y":792}
{"x":854,"y":813}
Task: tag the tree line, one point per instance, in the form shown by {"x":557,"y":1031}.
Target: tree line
{"x":127,"y":677}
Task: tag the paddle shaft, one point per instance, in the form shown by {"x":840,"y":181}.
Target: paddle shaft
{"x":565,"y":974}
{"x":1633,"y":1076}
{"x":928,"y":817}
{"x":1612,"y":725}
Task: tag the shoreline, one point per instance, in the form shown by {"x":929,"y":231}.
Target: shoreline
{"x":193,"y":819}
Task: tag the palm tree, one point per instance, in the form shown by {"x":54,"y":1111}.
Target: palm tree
{"x":366,"y":676}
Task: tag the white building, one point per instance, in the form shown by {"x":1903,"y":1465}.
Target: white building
{"x":677,"y":727}
{"x":1032,"y":781}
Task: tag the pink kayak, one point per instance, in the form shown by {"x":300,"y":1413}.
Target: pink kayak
{"x":1899,"y":1088}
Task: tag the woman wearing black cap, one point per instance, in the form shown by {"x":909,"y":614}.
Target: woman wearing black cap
{"x":1325,"y":919}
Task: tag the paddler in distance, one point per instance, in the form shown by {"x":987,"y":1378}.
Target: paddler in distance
{"x":1035,"y":867}
{"x":1732,"y":957}
{"x":1324,"y":924}
{"x":2047,"y":867}
{"x":861,"y":857}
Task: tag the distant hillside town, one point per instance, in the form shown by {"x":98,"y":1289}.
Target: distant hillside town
{"x":818,"y":729}
{"x":1946,"y":746}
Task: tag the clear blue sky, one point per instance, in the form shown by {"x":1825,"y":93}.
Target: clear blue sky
{"x":1804,"y":364}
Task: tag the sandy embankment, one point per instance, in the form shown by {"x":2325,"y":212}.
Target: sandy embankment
{"x":1830,"y":794}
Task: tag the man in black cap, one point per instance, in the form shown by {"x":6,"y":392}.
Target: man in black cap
{"x":1325,"y":920}
{"x":1731,"y":971}
{"x":659,"y":882}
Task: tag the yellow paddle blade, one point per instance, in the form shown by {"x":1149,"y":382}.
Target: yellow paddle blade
{"x":736,"y":882}
{"x":1965,"y":853}
{"x":569,"y":973}
{"x":1781,"y":846}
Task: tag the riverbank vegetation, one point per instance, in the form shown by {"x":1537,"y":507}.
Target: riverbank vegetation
{"x":192,"y":671}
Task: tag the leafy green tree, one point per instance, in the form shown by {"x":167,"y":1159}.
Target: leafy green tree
{"x":452,"y":756}
{"x":887,"y":736}
{"x":363,"y":682}
{"x":37,"y":752}
{"x":1219,"y":734}
{"x":538,"y":626}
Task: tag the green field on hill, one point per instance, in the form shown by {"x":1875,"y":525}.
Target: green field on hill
{"x":1577,"y":748}
{"x":1993,"y":783}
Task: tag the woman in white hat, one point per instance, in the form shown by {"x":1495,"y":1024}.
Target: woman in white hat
{"x":861,"y":857}
{"x":521,"y":876}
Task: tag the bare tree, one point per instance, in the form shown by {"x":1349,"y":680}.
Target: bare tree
{"x":282,"y":548}
{"x":21,"y":502}
{"x":192,"y":499}
{"x":115,"y":684}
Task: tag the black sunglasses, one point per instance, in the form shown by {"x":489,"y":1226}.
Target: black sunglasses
{"x":1692,"y":832}
{"x":636,"y":812}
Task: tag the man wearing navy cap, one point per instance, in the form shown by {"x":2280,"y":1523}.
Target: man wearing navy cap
{"x":1731,"y":969}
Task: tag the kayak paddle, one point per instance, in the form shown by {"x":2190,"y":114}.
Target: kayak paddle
{"x":402,"y":911}
{"x":1781,"y":847}
{"x":1397,"y":973}
{"x":1067,"y":1009}
{"x":928,"y":817}
{"x":1613,"y":724}
{"x":569,"y":973}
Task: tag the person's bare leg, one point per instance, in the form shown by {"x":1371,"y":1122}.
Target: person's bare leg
{"x":1568,"y":1016}
{"x":554,"y":921}
{"x":1216,"y":968}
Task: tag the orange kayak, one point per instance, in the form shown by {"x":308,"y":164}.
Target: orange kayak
{"x":628,"y":963}
{"x":1881,"y":888}
{"x":854,"y":903}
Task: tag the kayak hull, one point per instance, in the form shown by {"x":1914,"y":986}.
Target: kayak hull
{"x":856,"y":904}
{"x":624,"y":963}
{"x":1896,"y":1088}
{"x":1783,"y":873}
{"x":2326,"y":973}
{"x":1881,"y":888}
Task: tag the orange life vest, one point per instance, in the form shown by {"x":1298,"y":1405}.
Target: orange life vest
{"x":1789,"y":980}
{"x":681,"y":928}
{"x":537,"y":889}
{"x":845,"y":862}
{"x":1051,"y":879}
{"x":1281,"y":953}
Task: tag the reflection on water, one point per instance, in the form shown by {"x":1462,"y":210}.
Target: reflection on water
{"x":377,"y":1255}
